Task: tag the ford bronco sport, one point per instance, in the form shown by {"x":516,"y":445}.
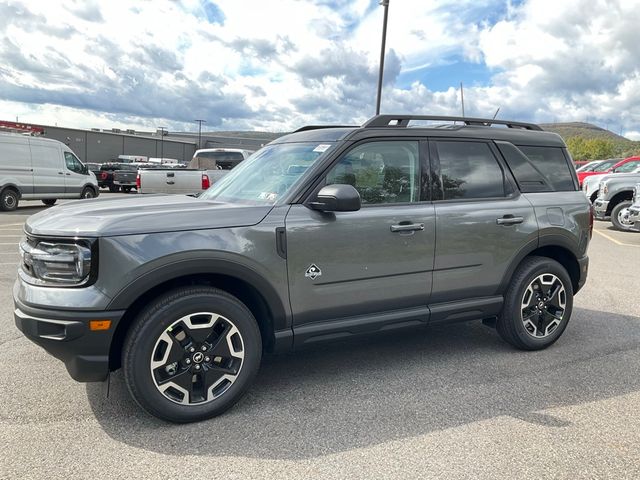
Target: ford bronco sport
{"x":322,"y":234}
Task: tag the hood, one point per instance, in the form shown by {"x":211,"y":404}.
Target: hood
{"x":141,"y":214}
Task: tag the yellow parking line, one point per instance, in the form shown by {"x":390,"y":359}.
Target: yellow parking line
{"x":12,"y":225}
{"x":617,"y":242}
{"x":10,"y":243}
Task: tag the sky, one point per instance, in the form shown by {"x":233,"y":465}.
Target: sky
{"x":276,"y":65}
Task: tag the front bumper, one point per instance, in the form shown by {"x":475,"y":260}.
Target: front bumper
{"x":600,"y":208}
{"x":66,"y":336}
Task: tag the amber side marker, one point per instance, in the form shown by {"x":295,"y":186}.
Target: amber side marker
{"x":99,"y":325}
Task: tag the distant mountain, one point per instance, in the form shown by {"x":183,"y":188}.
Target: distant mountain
{"x":585,"y":130}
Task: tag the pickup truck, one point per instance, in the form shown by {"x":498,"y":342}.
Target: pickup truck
{"x":614,"y":199}
{"x":181,"y":181}
{"x":125,"y":179}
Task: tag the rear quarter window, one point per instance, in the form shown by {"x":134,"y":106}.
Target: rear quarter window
{"x":553,"y":164}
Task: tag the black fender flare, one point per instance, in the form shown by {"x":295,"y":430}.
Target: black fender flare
{"x":178,"y":267}
{"x":13,"y":186}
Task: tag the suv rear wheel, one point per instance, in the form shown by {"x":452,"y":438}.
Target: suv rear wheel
{"x":191,"y":354}
{"x":537,"y":305}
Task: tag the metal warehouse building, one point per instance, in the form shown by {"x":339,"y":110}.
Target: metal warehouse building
{"x":101,"y":146}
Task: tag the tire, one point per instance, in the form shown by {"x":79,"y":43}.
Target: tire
{"x":126,"y":189}
{"x":620,"y":216}
{"x":114,"y":188}
{"x":542,"y":328}
{"x":88,"y":192}
{"x":9,"y":199}
{"x":49,"y":202}
{"x":166,"y":343}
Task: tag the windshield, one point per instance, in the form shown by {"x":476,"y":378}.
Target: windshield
{"x":627,"y":167}
{"x":604,"y":166}
{"x":588,"y":167}
{"x":267,"y":175}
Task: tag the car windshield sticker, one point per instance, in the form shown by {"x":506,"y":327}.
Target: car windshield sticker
{"x":313,"y":272}
{"x":323,"y":147}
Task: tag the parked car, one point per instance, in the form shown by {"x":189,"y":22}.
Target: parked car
{"x":614,"y":199}
{"x":105,"y":178}
{"x":634,"y":210}
{"x":591,"y":185}
{"x":125,"y":179}
{"x":33,"y":168}
{"x":218,"y":158}
{"x":580,"y":163}
{"x":184,"y":181}
{"x":589,"y":166}
{"x":615,"y":165}
{"x":323,"y":234}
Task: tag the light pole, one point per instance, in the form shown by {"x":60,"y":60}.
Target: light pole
{"x":162,"y":130}
{"x":385,"y":4}
{"x":200,"y":122}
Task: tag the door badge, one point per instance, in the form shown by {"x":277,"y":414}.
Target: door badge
{"x":313,"y":272}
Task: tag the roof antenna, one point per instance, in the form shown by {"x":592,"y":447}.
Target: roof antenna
{"x":496,"y":114}
{"x":462,"y":98}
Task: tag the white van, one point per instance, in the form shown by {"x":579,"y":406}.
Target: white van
{"x":33,"y":168}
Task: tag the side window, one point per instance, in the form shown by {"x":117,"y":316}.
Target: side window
{"x":553,"y":163}
{"x":382,"y":172}
{"x":469,"y":170}
{"x":72,"y":162}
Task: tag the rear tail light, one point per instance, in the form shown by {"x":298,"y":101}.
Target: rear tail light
{"x":138,"y":182}
{"x":205,"y":181}
{"x":103,"y":175}
{"x":591,"y":208}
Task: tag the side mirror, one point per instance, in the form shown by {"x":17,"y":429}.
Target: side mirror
{"x":337,"y":198}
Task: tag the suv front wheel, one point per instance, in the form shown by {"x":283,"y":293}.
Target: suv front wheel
{"x":191,"y":354}
{"x":537,"y":306}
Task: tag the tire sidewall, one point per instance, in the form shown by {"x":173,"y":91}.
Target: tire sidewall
{"x":516,"y":294}
{"x":3,"y":205}
{"x":140,"y":344}
{"x":614,"y":216}
{"x":88,"y":190}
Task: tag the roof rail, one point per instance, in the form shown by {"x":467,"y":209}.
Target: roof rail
{"x":403,"y":121}
{"x":318,"y":127}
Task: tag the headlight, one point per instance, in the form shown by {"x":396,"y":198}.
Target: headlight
{"x":54,"y":263}
{"x":604,"y":188}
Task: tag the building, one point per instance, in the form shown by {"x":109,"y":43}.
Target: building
{"x":100,"y":146}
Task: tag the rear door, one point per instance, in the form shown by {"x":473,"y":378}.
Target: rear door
{"x":48,"y":168}
{"x":482,"y":221}
{"x":375,"y":261}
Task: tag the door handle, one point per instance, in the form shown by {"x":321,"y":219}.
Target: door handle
{"x":407,"y":227}
{"x":509,"y":220}
{"x":170,"y":183}
{"x":60,"y":173}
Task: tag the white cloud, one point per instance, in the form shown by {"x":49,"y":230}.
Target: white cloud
{"x":277,"y":65}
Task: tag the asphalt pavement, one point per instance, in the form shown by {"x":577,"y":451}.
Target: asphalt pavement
{"x":439,"y":402}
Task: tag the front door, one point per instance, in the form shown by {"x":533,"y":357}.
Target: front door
{"x":375,"y":261}
{"x":75,"y":177}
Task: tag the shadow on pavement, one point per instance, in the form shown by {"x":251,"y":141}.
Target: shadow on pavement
{"x":364,"y":392}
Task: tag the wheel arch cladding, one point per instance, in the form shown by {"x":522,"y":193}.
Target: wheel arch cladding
{"x":267,"y":309}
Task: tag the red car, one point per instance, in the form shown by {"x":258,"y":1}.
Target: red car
{"x":611,"y":166}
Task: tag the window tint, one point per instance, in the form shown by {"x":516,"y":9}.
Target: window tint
{"x":553,"y":163}
{"x":604,"y":166}
{"x":469,"y":170}
{"x":382,"y":172}
{"x":73,"y":163}
{"x":527,"y":175}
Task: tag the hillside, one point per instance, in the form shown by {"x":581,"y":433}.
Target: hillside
{"x":590,"y":142}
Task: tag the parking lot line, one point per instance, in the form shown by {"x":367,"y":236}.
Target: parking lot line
{"x":12,"y":243}
{"x":13,"y":225}
{"x":617,"y":242}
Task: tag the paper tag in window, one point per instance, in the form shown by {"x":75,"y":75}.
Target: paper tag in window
{"x":323,"y":147}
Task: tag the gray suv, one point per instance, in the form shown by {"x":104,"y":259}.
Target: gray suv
{"x":326,"y":233}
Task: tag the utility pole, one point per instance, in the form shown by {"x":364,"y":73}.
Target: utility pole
{"x":385,"y":4}
{"x":162,"y":130}
{"x":462,"y":99}
{"x":200,"y":122}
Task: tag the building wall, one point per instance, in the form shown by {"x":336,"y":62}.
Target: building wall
{"x":100,"y":147}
